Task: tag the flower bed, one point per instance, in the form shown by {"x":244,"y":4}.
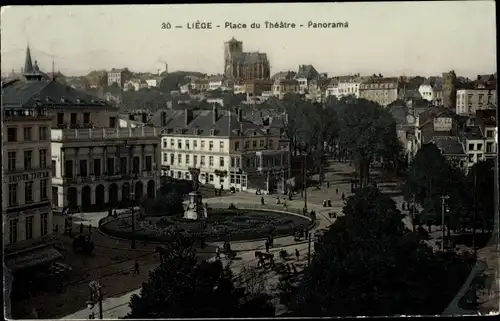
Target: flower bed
{"x":239,"y":224}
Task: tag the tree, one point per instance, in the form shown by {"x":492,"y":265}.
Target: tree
{"x":366,"y":130}
{"x":428,"y":178}
{"x":183,"y":287}
{"x":481,"y":185}
{"x":369,"y":264}
{"x":166,"y":204}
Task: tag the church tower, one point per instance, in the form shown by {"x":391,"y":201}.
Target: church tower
{"x":449,"y":90}
{"x":232,"y":49}
{"x":31,"y":72}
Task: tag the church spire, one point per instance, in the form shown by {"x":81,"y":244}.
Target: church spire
{"x":28,"y":64}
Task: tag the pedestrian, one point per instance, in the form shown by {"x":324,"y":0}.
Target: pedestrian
{"x":337,"y":191}
{"x":136,"y":267}
{"x":217,"y":253}
{"x":81,"y":228}
{"x":267,"y":246}
{"x":329,"y":203}
{"x":297,"y":254}
{"x":343,"y":196}
{"x":327,"y":184}
{"x":262,"y":200}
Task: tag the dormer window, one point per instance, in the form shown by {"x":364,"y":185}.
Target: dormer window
{"x":78,"y":101}
{"x":212,"y":132}
{"x":63,"y":100}
{"x":196,"y":131}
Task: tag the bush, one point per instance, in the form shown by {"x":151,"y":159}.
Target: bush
{"x":164,"y":205}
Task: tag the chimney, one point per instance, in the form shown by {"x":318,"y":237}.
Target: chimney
{"x":215,"y":114}
{"x":163,"y":119}
{"x":188,"y":117}
{"x":239,"y":114}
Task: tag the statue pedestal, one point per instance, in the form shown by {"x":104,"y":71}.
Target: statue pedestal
{"x":194,"y":210}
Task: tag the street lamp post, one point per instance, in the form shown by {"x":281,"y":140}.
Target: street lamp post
{"x":305,"y":182}
{"x":443,"y":203}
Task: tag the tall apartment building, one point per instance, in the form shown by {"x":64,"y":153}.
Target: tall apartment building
{"x":229,"y":150}
{"x":118,"y":76}
{"x":27,"y":187}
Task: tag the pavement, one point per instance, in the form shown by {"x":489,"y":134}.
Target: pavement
{"x":118,"y":307}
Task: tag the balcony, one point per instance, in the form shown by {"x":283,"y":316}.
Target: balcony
{"x":60,"y":135}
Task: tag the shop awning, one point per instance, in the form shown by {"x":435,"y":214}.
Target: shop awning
{"x":33,"y":258}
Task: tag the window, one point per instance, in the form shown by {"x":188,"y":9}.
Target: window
{"x":29,"y":227}
{"x":236,"y":146}
{"x":43,"y":133}
{"x":13,"y":231}
{"x":195,"y":160}
{"x":11,"y":160}
{"x":112,"y":122}
{"x":471,"y":158}
{"x":54,"y":173}
{"x":44,"y":224}
{"x":28,"y":192}
{"x":261,"y":143}
{"x":221,"y":162}
{"x":179,"y":174}
{"x":42,"y":154}
{"x":149,"y":163}
{"x":247,"y":144}
{"x":202,"y":144}
{"x":489,"y":147}
{"x":60,"y":118}
{"x":165,"y":145}
{"x":172,"y":143}
{"x":186,"y":143}
{"x":179,"y":159}
{"x":210,"y":161}
{"x":110,"y":166}
{"x":86,"y":118}
{"x":165,"y":157}
{"x":479,"y":146}
{"x":179,"y":144}
{"x":210,"y":145}
{"x":489,"y":134}
{"x":186,"y":175}
{"x":55,"y":197}
{"x":83,"y":168}
{"x":136,"y":165}
{"x":13,"y":194}
{"x":97,"y":167}
{"x":27,"y":134}
{"x":73,"y":119}
{"x":479,"y":157}
{"x":68,"y":168}
{"x":195,"y":144}
{"x":202,"y":161}
{"x":221,"y":145}
{"x":271,"y":144}
{"x":27,"y":159}
{"x":123,"y":165}
{"x":44,"y":184}
{"x":211,"y":178}
{"x":172,"y":159}
{"x":254,"y":144}
{"x":471,"y":146}
{"x":187,"y":159}
{"x":232,"y":179}
{"x":12,"y":134}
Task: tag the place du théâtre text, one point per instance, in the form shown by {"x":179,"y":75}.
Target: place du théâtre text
{"x":208,"y":25}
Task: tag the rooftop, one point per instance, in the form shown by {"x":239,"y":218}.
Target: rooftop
{"x":473,"y":133}
{"x":449,"y":145}
{"x":307,"y":71}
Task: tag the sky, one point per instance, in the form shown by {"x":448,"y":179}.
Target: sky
{"x":392,"y":38}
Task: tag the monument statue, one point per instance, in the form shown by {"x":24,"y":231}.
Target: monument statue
{"x":194,"y":210}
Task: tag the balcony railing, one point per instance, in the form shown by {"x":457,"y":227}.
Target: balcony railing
{"x":102,"y":133}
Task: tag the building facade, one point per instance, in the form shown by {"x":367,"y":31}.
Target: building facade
{"x":27,"y":187}
{"x":471,"y":100}
{"x":281,"y":87}
{"x":432,"y":90}
{"x":381,"y":90}
{"x":304,"y":75}
{"x":349,"y":85}
{"x":94,"y":168}
{"x":118,"y":76}
{"x":244,"y":65}
{"x":229,"y":150}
